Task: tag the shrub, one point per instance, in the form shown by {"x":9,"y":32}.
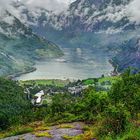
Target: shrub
{"x":4,"y":122}
{"x":116,"y":120}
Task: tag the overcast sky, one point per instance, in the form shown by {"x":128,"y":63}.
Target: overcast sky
{"x":133,"y":10}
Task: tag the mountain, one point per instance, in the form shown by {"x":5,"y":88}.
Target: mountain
{"x":99,"y":15}
{"x":87,"y":16}
{"x":97,"y":24}
{"x":102,"y":24}
{"x":129,"y":55}
{"x":20,"y":47}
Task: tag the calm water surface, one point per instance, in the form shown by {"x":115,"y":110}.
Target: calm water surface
{"x":75,"y":64}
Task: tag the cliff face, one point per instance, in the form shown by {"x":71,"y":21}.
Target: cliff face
{"x":129,"y":55}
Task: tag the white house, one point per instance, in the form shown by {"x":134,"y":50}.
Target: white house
{"x":39,"y":96}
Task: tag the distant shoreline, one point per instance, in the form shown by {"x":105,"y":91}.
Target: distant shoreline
{"x":13,"y":76}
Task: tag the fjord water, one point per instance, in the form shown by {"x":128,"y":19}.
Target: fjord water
{"x":77,"y":63}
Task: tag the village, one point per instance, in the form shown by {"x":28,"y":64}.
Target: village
{"x":40,"y":94}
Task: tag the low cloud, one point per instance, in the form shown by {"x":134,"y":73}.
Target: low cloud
{"x":51,"y":5}
{"x":133,"y":11}
{"x":7,"y":5}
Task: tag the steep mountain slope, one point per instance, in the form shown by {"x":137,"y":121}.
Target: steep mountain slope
{"x":129,"y":55}
{"x":107,"y":20}
{"x":95,"y":16}
{"x":87,"y":16}
{"x":20,"y":47}
{"x":102,"y":24}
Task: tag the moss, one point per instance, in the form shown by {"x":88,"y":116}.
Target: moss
{"x":43,"y":134}
{"x":20,"y":130}
{"x":16,"y":131}
{"x":66,"y":137}
{"x":21,"y":139}
{"x":42,"y":128}
{"x":65,"y":126}
{"x":88,"y":135}
{"x":78,"y":137}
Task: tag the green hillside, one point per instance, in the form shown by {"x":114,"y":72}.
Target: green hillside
{"x":111,"y":113}
{"x":14,"y":105}
{"x":20,"y":47}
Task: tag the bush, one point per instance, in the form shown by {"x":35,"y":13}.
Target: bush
{"x":4,"y":122}
{"x":127,"y":91}
{"x":116,"y":120}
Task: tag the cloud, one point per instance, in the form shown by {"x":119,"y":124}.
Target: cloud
{"x":133,"y":11}
{"x":4,"y":4}
{"x":56,"y":6}
{"x":7,"y":5}
{"x":52,"y":5}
